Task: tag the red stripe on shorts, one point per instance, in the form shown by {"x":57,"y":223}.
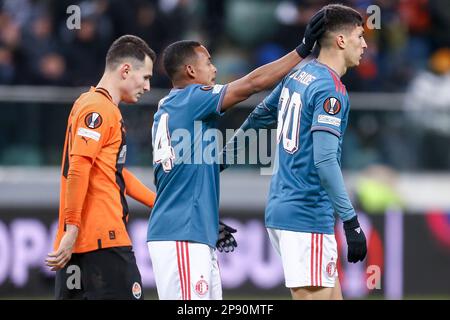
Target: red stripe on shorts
{"x":317,"y":260}
{"x":312,"y":259}
{"x":321,"y":254}
{"x":180,"y":273}
{"x":188,"y":286}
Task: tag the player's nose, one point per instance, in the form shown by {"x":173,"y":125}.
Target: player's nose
{"x":147,"y":85}
{"x":364,"y":44}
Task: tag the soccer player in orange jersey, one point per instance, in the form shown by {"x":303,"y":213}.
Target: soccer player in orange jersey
{"x":93,"y":213}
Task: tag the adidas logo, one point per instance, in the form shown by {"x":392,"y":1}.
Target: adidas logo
{"x":358,"y":230}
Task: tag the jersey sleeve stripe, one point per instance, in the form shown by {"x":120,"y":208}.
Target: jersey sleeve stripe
{"x":323,"y":128}
{"x":222,"y":96}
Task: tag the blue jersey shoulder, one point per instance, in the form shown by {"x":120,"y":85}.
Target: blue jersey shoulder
{"x":328,"y":98}
{"x":204,"y":101}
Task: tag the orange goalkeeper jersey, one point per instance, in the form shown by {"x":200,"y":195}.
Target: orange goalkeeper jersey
{"x":95,"y":130}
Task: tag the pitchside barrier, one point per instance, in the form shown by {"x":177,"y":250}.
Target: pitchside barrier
{"x":408,"y":248}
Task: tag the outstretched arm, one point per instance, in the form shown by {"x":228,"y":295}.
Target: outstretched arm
{"x":262,"y":116}
{"x":268,"y":75}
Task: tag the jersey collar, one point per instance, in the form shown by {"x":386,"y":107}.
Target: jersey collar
{"x":331,"y":70}
{"x":104,"y":92}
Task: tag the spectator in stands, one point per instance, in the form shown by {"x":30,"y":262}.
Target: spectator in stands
{"x":7,"y":69}
{"x":427,"y":107}
{"x":43,"y":63}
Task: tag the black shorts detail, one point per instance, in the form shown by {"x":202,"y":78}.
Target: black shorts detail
{"x":110,"y":273}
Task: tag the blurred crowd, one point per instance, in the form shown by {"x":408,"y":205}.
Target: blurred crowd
{"x":38,"y":48}
{"x":409,"y":53}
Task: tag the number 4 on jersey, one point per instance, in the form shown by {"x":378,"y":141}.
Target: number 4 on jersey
{"x":162,"y":150}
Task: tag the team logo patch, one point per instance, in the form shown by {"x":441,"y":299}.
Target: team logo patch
{"x":331,"y":269}
{"x":201,"y":287}
{"x":136,"y":290}
{"x":332,"y":106}
{"x":206,"y":88}
{"x":93,"y":120}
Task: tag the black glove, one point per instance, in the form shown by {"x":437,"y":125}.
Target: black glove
{"x":356,"y":240}
{"x":313,"y":31}
{"x":226,"y":240}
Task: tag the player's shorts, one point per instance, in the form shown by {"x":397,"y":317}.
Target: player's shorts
{"x":185,"y":270}
{"x":109,"y":273}
{"x":309,"y":259}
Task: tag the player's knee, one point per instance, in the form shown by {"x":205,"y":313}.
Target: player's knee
{"x":302,"y":293}
{"x":311,"y":293}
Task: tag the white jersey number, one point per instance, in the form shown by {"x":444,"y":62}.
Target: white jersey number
{"x":289,"y":124}
{"x":162,"y":150}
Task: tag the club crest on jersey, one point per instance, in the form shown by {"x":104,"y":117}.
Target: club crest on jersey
{"x":201,"y":287}
{"x":93,"y":120}
{"x":331,"y":269}
{"x":136,"y":290}
{"x":332,"y":106}
{"x":206,"y":88}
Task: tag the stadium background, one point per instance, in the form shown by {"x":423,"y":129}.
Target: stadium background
{"x":396,"y":156}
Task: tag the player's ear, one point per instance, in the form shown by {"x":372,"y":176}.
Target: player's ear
{"x":125,"y":70}
{"x":190,"y":70}
{"x":340,"y":41}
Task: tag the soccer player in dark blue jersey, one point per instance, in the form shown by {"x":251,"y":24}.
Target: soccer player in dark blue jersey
{"x":184,"y":226}
{"x":311,"y":106}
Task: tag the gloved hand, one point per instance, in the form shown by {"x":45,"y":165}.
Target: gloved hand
{"x":226,"y":240}
{"x":356,"y":240}
{"x":313,"y":31}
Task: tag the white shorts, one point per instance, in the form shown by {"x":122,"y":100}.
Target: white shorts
{"x":309,"y":259}
{"x":185,"y":270}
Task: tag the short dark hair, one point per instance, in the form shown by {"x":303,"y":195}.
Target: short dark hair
{"x":128,"y":46}
{"x":338,"y":17}
{"x":176,"y":55}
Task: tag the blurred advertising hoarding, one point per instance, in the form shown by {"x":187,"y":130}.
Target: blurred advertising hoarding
{"x":409,"y":255}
